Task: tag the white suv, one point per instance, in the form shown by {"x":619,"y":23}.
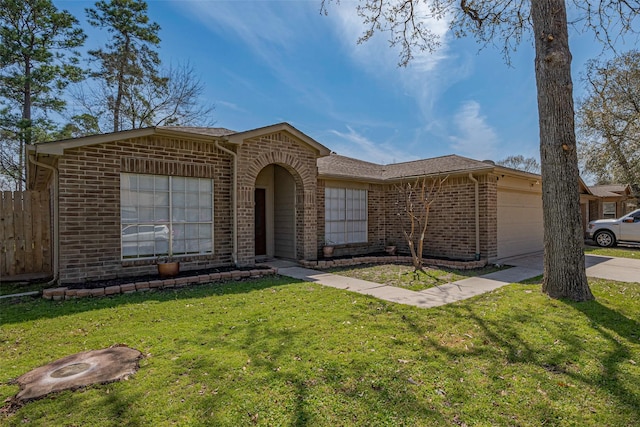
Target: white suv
{"x":608,"y":232}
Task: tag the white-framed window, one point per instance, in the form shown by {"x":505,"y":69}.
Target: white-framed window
{"x":345,"y":215}
{"x":165,"y":215}
{"x":609,"y":210}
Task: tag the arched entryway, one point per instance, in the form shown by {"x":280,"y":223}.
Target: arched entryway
{"x":275,"y":213}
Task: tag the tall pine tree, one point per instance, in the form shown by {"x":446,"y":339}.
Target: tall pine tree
{"x":128,"y":61}
{"x":37,"y":61}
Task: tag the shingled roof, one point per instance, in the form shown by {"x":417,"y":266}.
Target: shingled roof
{"x":337,"y":166}
{"x":611,"y":190}
{"x":200,"y":130}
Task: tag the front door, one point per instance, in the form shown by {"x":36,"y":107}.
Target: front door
{"x":260,"y":222}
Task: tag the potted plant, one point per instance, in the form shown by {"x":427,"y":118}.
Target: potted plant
{"x":167,"y":266}
{"x":327,"y":249}
{"x":390,"y":248}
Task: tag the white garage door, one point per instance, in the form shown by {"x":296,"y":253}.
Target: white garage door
{"x":520,"y":229}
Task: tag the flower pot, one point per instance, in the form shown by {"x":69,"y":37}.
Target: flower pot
{"x":327,"y":251}
{"x":169,"y":269}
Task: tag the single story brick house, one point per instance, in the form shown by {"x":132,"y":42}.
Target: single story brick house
{"x":605,"y":202}
{"x":214,"y":197}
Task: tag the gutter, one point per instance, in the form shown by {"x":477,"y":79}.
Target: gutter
{"x":477,"y":216}
{"x":56,"y":218}
{"x":234,"y":196}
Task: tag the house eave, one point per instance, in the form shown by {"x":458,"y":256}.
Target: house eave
{"x":338,"y":177}
{"x":57,"y":148}
{"x":453,"y":173}
{"x":395,"y":180}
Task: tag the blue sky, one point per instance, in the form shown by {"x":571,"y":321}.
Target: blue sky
{"x":265,"y":62}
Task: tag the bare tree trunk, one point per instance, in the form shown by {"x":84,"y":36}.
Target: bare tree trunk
{"x":26,"y":137}
{"x":564,"y":267}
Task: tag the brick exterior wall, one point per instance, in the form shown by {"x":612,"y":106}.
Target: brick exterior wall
{"x":451,"y":226}
{"x":89,"y":203}
{"x":300,"y":161}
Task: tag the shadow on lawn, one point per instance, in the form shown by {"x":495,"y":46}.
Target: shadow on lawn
{"x":32,"y":308}
{"x":288,"y":386}
{"x":508,"y":338}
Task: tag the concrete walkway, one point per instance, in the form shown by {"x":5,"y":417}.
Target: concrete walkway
{"x":526,"y":267}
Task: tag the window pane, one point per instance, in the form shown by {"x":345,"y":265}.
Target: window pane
{"x":128,"y":181}
{"x":161,"y":183}
{"x":204,"y":231}
{"x":205,"y":200}
{"x":179,"y":214}
{"x":345,"y":215}
{"x":145,"y":182}
{"x":205,"y":186}
{"x":178,"y":183}
{"x":161,"y":214}
{"x":145,"y":214}
{"x":178,"y":199}
{"x":193,"y":215}
{"x":192,"y":200}
{"x":206,"y":215}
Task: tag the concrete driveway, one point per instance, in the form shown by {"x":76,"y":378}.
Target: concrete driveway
{"x":603,"y":267}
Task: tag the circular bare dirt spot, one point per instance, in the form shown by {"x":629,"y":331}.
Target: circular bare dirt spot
{"x":79,"y":370}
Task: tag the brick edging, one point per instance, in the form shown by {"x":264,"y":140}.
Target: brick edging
{"x":64,"y":293}
{"x":324,"y":264}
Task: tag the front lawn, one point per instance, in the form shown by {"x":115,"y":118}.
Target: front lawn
{"x":284,"y":353}
{"x":619,"y":251}
{"x":403,"y":276}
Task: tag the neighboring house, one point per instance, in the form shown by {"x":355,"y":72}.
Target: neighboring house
{"x":605,"y":202}
{"x":214,"y":197}
{"x":613,"y":201}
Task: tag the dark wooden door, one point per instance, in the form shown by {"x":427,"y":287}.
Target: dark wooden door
{"x":260,"y":221}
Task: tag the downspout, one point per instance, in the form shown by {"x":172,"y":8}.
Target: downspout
{"x":56,"y":217}
{"x":234,"y":189}
{"x":477,"y":214}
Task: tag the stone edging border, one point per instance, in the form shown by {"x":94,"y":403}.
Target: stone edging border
{"x":345,"y":262}
{"x":64,"y":293}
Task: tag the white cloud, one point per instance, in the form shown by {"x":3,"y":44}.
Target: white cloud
{"x":259,"y":25}
{"x":474,"y":137}
{"x":356,"y":145}
{"x":426,"y":77}
{"x":230,"y":106}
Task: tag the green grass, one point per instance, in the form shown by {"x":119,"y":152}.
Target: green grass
{"x":403,"y":276}
{"x":11,"y":288}
{"x":622,"y":252}
{"x":285,"y":353}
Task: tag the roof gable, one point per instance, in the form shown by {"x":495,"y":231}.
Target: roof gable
{"x":240,"y":137}
{"x":611,"y":190}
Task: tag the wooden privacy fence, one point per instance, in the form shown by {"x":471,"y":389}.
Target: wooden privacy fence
{"x":25,"y":233}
